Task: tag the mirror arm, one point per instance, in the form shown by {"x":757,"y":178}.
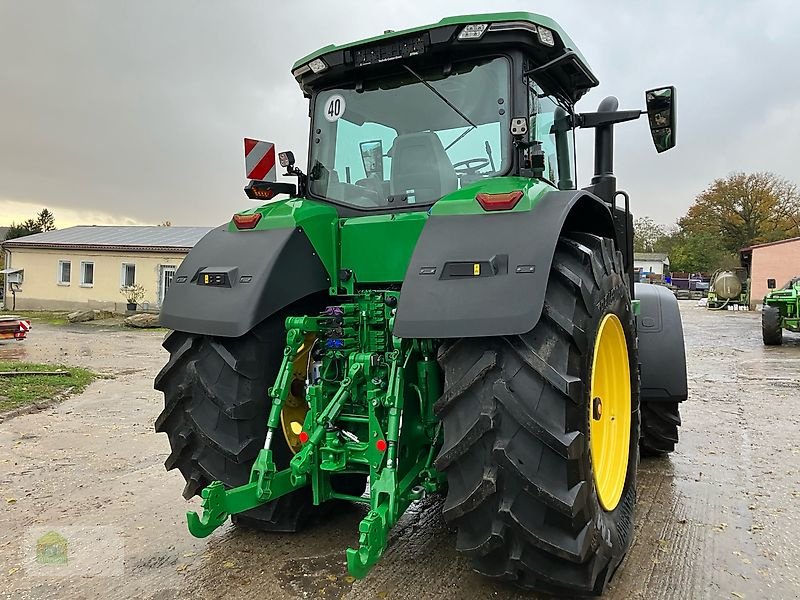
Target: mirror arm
{"x":598,"y":119}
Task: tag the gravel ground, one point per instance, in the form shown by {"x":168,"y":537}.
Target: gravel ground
{"x":717,"y":519}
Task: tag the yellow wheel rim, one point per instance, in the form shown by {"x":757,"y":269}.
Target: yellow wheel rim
{"x":610,"y":412}
{"x":295,"y":408}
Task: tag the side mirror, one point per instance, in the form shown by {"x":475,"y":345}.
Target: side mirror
{"x":662,"y":115}
{"x":372,"y":158}
{"x":771,"y":284}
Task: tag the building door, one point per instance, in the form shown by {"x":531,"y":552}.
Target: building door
{"x":167,"y":275}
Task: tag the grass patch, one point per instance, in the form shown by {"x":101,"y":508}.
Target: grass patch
{"x":51,"y":317}
{"x":21,"y":390}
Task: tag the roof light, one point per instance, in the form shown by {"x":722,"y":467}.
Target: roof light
{"x":504,"y":201}
{"x":473,"y":31}
{"x":300,"y":71}
{"x":317,"y":65}
{"x":511,"y":25}
{"x":246,"y":221}
{"x":545,"y":36}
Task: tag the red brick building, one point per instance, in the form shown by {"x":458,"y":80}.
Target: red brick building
{"x":775,"y":260}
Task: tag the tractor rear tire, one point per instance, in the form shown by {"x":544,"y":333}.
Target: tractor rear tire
{"x":660,"y":422}
{"x":216,"y":405}
{"x":516,"y":413}
{"x":771,"y":330}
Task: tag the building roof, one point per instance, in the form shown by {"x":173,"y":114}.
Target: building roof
{"x":794,"y":239}
{"x":651,"y":256}
{"x":132,"y":238}
{"x":3,"y":233}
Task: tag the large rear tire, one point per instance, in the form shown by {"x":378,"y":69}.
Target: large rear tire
{"x":216,"y":405}
{"x":516,"y":413}
{"x":660,"y":422}
{"x":771,"y":330}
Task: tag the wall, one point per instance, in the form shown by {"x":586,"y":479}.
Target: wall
{"x":780,"y":261}
{"x":650,"y":266}
{"x":41,"y":290}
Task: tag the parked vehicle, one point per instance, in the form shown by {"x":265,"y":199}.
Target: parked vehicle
{"x":781,"y":310}
{"x":437,"y":308}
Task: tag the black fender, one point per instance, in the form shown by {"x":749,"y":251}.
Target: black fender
{"x":662,"y":354}
{"x":444,"y":295}
{"x":263,"y":272}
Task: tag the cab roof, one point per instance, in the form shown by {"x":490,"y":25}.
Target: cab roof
{"x":455,"y":24}
{"x":458,"y":20}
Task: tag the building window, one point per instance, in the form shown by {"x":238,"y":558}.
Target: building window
{"x":64,"y":272}
{"x":128,"y":275}
{"x":87,"y":274}
{"x":166,"y":276}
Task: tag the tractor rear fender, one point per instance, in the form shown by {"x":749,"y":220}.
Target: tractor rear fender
{"x":486,"y":274}
{"x":252,"y":274}
{"x":661,"y":350}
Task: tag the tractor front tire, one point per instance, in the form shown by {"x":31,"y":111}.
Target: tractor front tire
{"x":216,"y":405}
{"x":771,"y":329}
{"x":516,"y":413}
{"x":660,"y":422}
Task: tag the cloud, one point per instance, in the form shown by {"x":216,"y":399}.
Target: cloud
{"x":137,"y":110}
{"x":16,"y":211}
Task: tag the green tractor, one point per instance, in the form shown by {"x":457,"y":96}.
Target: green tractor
{"x":435,"y":308}
{"x":781,"y":310}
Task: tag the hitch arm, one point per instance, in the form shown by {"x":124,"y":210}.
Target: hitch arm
{"x":219,"y":503}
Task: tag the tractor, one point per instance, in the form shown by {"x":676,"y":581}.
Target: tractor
{"x":780,"y":310}
{"x":434,"y":307}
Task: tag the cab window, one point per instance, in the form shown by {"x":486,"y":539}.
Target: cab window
{"x":548,"y":127}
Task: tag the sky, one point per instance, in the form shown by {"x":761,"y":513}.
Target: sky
{"x":122,"y":112}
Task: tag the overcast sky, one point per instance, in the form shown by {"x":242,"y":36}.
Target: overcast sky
{"x":117,"y":111}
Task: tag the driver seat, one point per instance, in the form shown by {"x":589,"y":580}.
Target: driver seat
{"x":421,"y":168}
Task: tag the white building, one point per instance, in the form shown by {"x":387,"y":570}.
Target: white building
{"x":651,"y":262}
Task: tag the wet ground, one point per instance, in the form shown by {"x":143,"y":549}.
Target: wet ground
{"x":717,"y":519}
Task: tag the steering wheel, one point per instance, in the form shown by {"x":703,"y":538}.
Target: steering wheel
{"x":471,"y":166}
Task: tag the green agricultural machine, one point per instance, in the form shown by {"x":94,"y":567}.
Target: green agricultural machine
{"x":434,"y":308}
{"x":781,"y":310}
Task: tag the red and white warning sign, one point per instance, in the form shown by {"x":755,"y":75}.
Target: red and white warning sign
{"x":259,"y":159}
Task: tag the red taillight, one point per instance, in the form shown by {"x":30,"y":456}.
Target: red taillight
{"x":246,"y":221}
{"x":303,"y":437}
{"x":381,"y":445}
{"x":504,"y":201}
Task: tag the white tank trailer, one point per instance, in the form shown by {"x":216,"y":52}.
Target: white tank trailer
{"x":728,"y":288}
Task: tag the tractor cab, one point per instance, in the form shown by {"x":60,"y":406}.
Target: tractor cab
{"x":405,"y":119}
{"x":400,"y":121}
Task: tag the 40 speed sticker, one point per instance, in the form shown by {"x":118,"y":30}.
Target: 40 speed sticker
{"x":334,"y":107}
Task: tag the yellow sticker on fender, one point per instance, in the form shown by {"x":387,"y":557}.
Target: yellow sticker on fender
{"x":476,"y":269}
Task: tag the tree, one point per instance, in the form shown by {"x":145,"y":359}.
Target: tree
{"x":45,"y":221}
{"x":27,"y":227}
{"x":646,"y":235}
{"x":745,"y":209}
{"x":694,"y":252}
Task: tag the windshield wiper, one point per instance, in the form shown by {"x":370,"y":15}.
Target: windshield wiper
{"x":443,"y":99}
